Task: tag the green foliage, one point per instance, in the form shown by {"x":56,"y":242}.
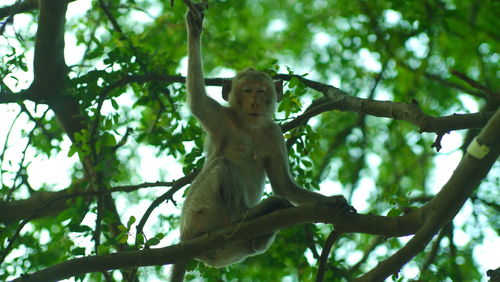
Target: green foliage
{"x":387,"y":50}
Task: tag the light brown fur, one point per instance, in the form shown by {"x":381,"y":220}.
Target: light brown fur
{"x":243,"y":146}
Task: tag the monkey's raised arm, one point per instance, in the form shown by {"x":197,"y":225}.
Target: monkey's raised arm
{"x":207,"y":110}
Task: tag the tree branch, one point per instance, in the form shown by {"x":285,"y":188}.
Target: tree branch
{"x":118,"y":29}
{"x":339,"y":100}
{"x":436,"y":245}
{"x":491,"y":94}
{"x":20,"y":7}
{"x":46,"y":203}
{"x":330,"y":240}
{"x":49,"y":66}
{"x":167,"y":195}
{"x":16,"y":8}
{"x":336,"y":99}
{"x":446,"y":204}
{"x":387,"y":226}
{"x":6,"y":97}
{"x":375,"y":242}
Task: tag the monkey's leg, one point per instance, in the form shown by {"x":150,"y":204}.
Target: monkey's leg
{"x":273,"y":203}
{"x":237,"y":252}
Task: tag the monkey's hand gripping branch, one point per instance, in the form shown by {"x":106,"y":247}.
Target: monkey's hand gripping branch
{"x":195,"y":16}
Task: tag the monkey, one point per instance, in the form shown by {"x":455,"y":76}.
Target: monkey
{"x":243,"y":145}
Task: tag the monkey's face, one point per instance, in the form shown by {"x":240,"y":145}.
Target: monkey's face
{"x":254,"y":100}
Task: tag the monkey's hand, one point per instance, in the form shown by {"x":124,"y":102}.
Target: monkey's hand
{"x":340,"y":203}
{"x":195,"y":16}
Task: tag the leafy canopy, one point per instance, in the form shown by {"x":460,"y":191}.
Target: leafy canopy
{"x":116,"y":115}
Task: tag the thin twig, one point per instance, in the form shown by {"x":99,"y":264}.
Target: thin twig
{"x":5,"y":145}
{"x":477,"y":85}
{"x":323,"y":260}
{"x":167,"y":195}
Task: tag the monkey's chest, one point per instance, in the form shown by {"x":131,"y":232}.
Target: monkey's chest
{"x":245,"y":152}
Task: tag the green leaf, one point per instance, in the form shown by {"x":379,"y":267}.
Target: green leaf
{"x":307,"y":163}
{"x":103,"y":249}
{"x":140,"y":239}
{"x":78,"y":251}
{"x":65,"y":215}
{"x":191,"y":265}
{"x":394,"y":212}
{"x":152,"y":242}
{"x":131,"y":221}
{"x":114,"y":104}
{"x":72,"y":150}
{"x":122,"y":238}
{"x":108,"y":124}
{"x":293,"y":82}
{"x":98,"y":146}
{"x":79,"y":228}
{"x":108,"y":140}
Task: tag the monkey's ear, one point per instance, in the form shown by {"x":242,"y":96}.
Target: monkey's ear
{"x":278,"y":85}
{"x":226,"y":88}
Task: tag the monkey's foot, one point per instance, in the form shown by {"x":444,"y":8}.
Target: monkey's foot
{"x":340,"y":203}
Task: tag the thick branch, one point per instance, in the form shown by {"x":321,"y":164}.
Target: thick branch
{"x":51,"y":84}
{"x":50,"y":70}
{"x":33,"y":207}
{"x":16,"y":8}
{"x":6,"y":98}
{"x":339,"y":100}
{"x":446,"y":204}
{"x":20,"y":7}
{"x":387,"y":226}
{"x":45,"y":203}
{"x":336,"y":99}
{"x":49,"y":65}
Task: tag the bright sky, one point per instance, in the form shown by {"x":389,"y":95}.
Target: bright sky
{"x":154,"y":168}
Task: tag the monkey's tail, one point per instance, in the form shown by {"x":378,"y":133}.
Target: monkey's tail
{"x":178,"y":271}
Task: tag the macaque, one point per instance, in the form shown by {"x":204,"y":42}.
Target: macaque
{"x":243,"y":146}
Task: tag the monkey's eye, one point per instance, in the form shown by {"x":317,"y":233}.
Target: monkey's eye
{"x":247,"y":89}
{"x":261,"y":90}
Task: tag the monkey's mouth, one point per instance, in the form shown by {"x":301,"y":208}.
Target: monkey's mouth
{"x":254,"y":115}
